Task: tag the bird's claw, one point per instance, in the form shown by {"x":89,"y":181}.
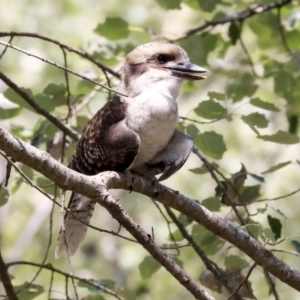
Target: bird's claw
{"x":156,"y":187}
{"x":129,"y":180}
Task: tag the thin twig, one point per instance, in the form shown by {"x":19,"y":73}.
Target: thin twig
{"x":67,"y":85}
{"x":4,"y":278}
{"x":48,"y":61}
{"x":285,"y":251}
{"x":282,"y":34}
{"x":5,"y":48}
{"x":63,"y":230}
{"x":270,"y":199}
{"x":243,"y":282}
{"x":211,"y":169}
{"x":252,"y":66}
{"x":243,"y":15}
{"x":210,"y":265}
{"x":50,"y":285}
{"x":168,"y":224}
{"x":200,"y":122}
{"x":67,"y":275}
{"x":272,"y":285}
{"x":62,"y":45}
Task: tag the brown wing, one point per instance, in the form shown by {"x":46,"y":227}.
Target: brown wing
{"x":106,"y":144}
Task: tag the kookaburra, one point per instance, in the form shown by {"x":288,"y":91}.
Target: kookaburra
{"x":136,"y":133}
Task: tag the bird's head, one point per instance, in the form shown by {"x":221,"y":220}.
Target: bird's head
{"x":158,"y":63}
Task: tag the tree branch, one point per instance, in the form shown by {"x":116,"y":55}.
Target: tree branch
{"x":46,"y":60}
{"x":67,"y":275}
{"x":4,"y":278}
{"x":96,"y":187}
{"x":68,"y":179}
{"x":64,"y":46}
{"x":39,"y":109}
{"x":243,"y":15}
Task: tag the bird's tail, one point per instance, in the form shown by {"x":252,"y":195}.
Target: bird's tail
{"x":82,"y":210}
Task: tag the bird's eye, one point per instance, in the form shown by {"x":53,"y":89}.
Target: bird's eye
{"x":161,"y":59}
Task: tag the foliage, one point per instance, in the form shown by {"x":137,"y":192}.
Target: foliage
{"x":247,"y":110}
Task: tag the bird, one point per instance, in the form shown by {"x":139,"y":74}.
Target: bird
{"x":135,"y":131}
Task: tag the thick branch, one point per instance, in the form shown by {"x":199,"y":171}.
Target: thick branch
{"x":68,"y":179}
{"x":95,"y":186}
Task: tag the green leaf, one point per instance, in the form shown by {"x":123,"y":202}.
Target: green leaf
{"x":192,"y":130}
{"x":9,"y":113}
{"x":296,"y":245}
{"x":203,"y":169}
{"x":249,"y":193}
{"x":107,"y":283}
{"x":283,"y":83}
{"x":210,"y":109}
{"x":281,"y":137}
{"x":278,"y":211}
{"x":169,"y":4}
{"x":205,"y":45}
{"x":275,"y":226}
{"x":217,"y":96}
{"x":55,"y":90}
{"x":4,"y":195}
{"x":11,"y":95}
{"x":29,"y":172}
{"x":211,"y":144}
{"x":198,"y":171}
{"x":181,"y":127}
{"x":29,"y":290}
{"x":113,"y":29}
{"x":46,"y":184}
{"x":277,"y":167}
{"x":234,"y":32}
{"x":176,"y":236}
{"x":148,"y":267}
{"x":192,"y":4}
{"x":212,"y":204}
{"x":264,"y":105}
{"x":178,"y":262}
{"x":235,"y":262}
{"x":241,"y":85}
{"x":293,"y":123}
{"x":93,"y":297}
{"x":256,"y":119}
{"x":268,"y":233}
{"x":55,"y":96}
{"x":81,"y":122}
{"x":253,"y":228}
{"x":184,"y":220}
{"x":257,"y":177}
{"x":208,"y":6}
{"x":210,"y":243}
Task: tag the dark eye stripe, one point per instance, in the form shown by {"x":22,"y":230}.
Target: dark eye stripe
{"x":163,"y":58}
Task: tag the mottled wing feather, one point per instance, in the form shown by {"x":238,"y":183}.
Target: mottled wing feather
{"x":107,"y":144}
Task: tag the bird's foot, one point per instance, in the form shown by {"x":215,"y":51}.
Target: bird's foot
{"x":156,"y":187}
{"x":129,"y":180}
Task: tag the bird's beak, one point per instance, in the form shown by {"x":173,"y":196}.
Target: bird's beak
{"x":187,"y":71}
